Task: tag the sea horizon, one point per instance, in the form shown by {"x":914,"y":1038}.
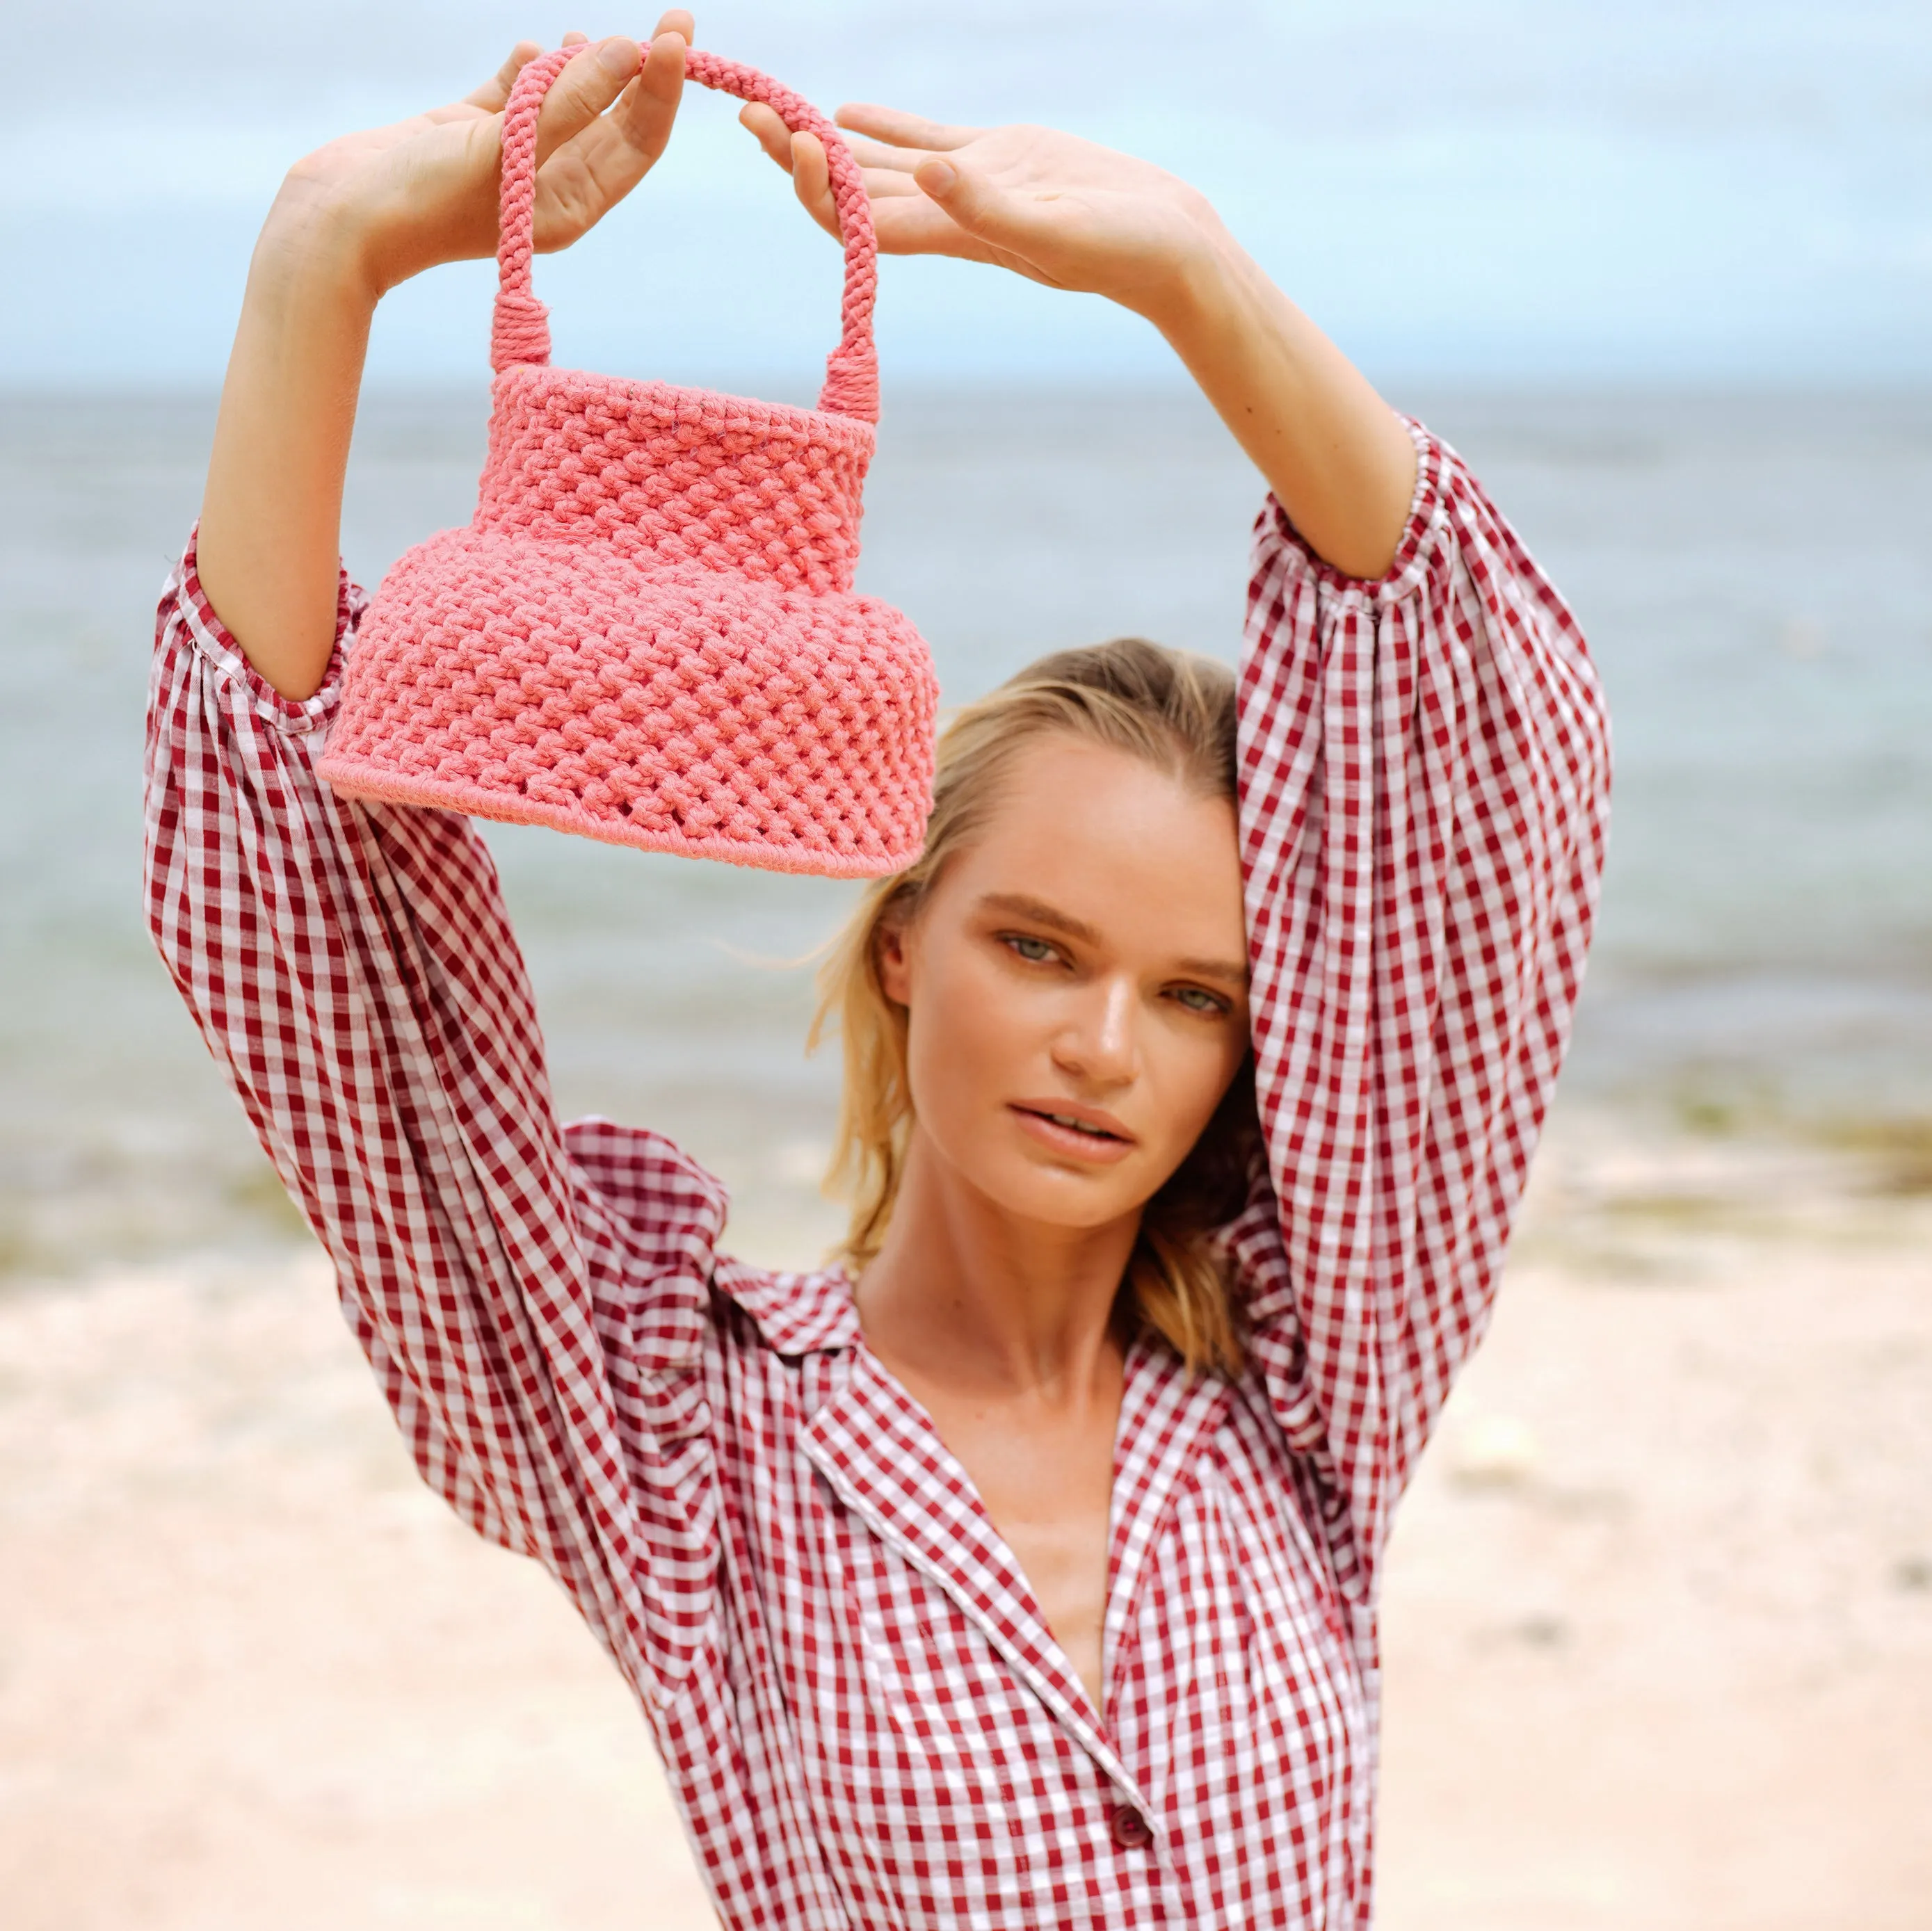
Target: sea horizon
{"x":1751,"y":567}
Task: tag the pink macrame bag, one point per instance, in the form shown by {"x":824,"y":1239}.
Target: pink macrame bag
{"x":648,"y":634}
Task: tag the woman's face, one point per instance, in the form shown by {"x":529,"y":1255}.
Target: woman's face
{"x":1075,"y":984}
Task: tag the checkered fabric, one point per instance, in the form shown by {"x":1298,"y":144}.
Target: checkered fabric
{"x":864,"y":1718}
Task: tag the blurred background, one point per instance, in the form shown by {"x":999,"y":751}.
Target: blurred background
{"x":1661,"y":1617}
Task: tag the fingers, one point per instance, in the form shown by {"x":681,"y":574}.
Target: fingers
{"x":593,"y":171}
{"x":594,"y":79}
{"x":886,"y":170}
{"x":887,"y":160}
{"x":977,"y":210}
{"x":493,"y":95}
{"x":774,"y":137}
{"x":645,"y":114}
{"x":914,"y":224}
{"x":958,"y":211}
{"x":812,"y":180}
{"x":900,"y":130}
{"x":802,"y":156}
{"x":942,"y":181}
{"x":494,"y":92}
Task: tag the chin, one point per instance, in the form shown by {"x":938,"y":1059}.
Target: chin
{"x":1053,"y":1196}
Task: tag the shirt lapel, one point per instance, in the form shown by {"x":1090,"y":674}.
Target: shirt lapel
{"x":1164,"y":1410}
{"x":879,"y":1450}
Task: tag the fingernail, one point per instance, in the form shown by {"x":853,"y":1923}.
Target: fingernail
{"x":938,"y":177}
{"x":618,"y":57}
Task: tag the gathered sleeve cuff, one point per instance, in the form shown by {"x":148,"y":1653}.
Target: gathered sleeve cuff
{"x":204,"y":632}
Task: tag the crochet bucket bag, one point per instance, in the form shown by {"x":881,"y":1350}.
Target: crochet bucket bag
{"x":648,"y":633}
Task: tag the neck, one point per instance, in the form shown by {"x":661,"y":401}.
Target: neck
{"x":969,"y":1297}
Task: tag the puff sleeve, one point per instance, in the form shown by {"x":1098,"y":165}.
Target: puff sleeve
{"x":353,"y":971}
{"x":1424,"y":769}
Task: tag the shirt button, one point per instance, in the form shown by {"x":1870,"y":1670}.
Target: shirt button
{"x":1132,"y":1831}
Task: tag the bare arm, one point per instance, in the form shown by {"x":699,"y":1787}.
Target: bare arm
{"x":1070,"y":214}
{"x":351,"y":220}
{"x":1338,"y":458}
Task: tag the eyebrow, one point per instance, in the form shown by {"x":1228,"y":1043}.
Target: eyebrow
{"x":1037,"y":912}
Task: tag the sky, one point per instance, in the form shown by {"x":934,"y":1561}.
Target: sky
{"x":1512,"y":192}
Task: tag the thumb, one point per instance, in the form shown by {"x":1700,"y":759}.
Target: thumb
{"x":594,"y":79}
{"x":966,"y":195}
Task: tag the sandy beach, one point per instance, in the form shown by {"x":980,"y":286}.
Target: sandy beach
{"x":1659,"y":1610}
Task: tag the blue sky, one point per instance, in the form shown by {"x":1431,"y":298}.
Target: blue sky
{"x":1494,"y":192}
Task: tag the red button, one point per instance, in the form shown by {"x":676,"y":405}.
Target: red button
{"x":1132,"y":1831}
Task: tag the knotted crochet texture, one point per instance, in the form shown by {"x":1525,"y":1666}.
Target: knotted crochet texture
{"x":648,"y":632}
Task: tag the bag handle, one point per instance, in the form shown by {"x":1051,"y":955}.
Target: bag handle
{"x":521,"y":330}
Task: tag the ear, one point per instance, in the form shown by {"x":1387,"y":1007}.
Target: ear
{"x":893,"y":953}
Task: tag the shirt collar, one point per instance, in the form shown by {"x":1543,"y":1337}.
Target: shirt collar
{"x":794,"y":1313}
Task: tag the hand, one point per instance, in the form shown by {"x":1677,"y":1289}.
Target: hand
{"x":1064,"y":211}
{"x":352,"y":221}
{"x":1048,"y":205}
{"x":402,"y":198}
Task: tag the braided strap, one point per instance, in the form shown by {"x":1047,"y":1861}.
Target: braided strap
{"x":520,"y":333}
{"x":520,"y":328}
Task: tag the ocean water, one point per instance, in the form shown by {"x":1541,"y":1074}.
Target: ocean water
{"x":1755,"y":575}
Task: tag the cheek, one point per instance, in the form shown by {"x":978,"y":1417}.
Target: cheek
{"x":1187,"y":1073}
{"x":967,"y":1031}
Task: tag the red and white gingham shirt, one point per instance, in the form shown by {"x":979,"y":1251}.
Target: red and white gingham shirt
{"x":864,"y":1718}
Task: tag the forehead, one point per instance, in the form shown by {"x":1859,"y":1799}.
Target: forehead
{"x":1125,"y":847}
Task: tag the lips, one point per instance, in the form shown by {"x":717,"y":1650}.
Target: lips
{"x":1085,"y":1132}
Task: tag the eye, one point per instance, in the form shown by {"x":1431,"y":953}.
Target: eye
{"x":1035,"y":952}
{"x":1197,"y":999}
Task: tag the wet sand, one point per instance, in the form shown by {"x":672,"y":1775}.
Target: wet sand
{"x":1659,"y":1608}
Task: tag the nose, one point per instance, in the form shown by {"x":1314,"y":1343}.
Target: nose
{"x":1098,"y":1044}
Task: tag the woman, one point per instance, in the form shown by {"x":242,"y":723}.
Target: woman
{"x":1020,"y":1569}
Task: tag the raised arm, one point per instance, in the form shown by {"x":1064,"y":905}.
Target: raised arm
{"x":352,"y":221}
{"x":1424,"y":774}
{"x":533,"y":1304}
{"x":1064,"y":211}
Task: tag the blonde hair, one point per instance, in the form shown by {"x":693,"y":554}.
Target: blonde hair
{"x":1177,"y":712}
